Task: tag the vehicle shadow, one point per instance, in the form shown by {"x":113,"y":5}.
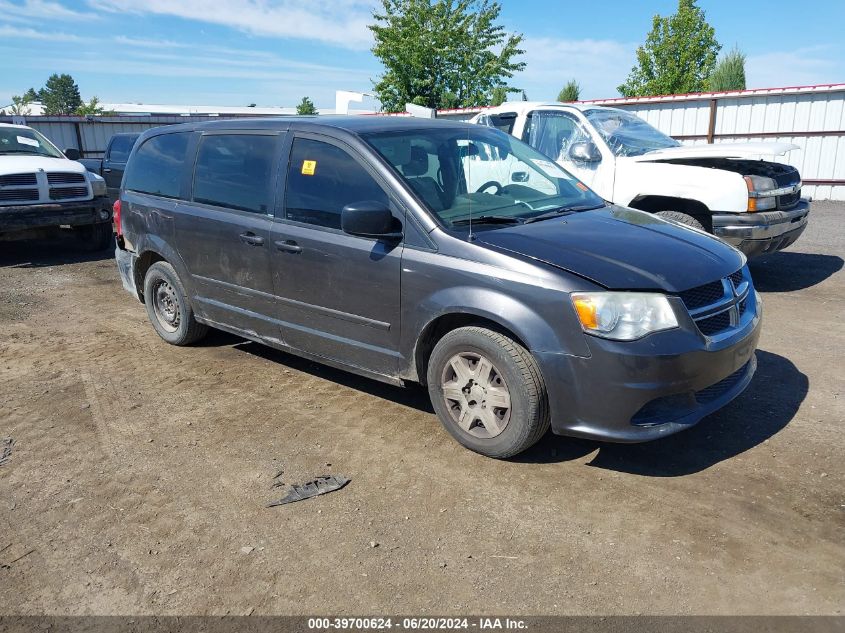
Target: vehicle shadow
{"x":786,"y":271}
{"x":48,"y":252}
{"x":413,"y":396}
{"x":767,"y":406}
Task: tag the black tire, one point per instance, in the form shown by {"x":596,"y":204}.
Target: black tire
{"x":95,"y":237}
{"x":168,"y":308}
{"x":681,"y":218}
{"x":513,"y":365}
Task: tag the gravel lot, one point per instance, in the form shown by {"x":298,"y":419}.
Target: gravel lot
{"x":140,"y":472}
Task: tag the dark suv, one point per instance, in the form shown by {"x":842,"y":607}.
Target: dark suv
{"x":442,"y":253}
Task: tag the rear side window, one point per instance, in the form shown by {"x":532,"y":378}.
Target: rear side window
{"x":157,"y":165}
{"x":503,"y":121}
{"x":322,"y":179}
{"x":236,"y":171}
{"x":120,"y":148}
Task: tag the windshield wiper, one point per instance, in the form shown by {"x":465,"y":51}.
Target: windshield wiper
{"x":21,"y":151}
{"x":489,"y":219}
{"x":562,"y":211}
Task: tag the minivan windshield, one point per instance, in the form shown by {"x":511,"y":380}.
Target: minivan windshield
{"x":481,"y":175}
{"x":21,"y":140}
{"x":627,"y":134}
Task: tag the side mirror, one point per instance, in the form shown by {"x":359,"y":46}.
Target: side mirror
{"x":72,"y":153}
{"x":369,"y":219}
{"x":519,"y":176}
{"x":584,"y":152}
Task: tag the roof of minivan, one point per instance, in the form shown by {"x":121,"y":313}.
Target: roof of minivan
{"x":352,"y":123}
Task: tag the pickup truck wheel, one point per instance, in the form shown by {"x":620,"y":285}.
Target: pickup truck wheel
{"x":488,"y":392}
{"x":168,"y":308}
{"x":681,"y":218}
{"x":95,"y":237}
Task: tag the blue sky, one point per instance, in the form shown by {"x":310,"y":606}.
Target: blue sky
{"x":273,"y":52}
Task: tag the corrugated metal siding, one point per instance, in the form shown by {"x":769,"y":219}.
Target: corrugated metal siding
{"x":740,"y":118}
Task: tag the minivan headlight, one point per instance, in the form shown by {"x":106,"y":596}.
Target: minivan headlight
{"x":98,"y":185}
{"x":623,"y":316}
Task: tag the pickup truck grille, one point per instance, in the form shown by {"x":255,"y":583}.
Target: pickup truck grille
{"x":64,"y":178}
{"x":717,"y":307}
{"x":18,"y":195}
{"x":65,"y":193}
{"x":18,"y":180}
{"x":789,"y":200}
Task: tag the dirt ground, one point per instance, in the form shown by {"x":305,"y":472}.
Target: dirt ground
{"x":140,"y":473}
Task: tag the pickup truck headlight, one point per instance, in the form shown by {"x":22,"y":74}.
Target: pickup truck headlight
{"x":623,"y":316}
{"x":762,"y":193}
{"x":98,"y":185}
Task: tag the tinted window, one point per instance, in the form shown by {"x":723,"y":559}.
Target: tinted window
{"x":503,"y":121}
{"x":120,"y":148}
{"x":322,"y":179}
{"x":235,"y":171}
{"x":157,"y":165}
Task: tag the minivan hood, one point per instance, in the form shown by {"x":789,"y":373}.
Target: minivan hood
{"x":717,"y":150}
{"x":23,"y":163}
{"x":621,"y":249}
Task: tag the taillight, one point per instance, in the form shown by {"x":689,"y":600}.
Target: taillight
{"x":116,"y":215}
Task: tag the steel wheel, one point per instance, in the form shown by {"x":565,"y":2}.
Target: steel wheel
{"x":476,"y":395}
{"x":166,"y":306}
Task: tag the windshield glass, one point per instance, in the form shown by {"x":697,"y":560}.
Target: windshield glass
{"x":21,"y":140}
{"x":478,"y":173}
{"x":627,"y":134}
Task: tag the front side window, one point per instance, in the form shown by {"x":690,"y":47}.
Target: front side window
{"x":235,"y":171}
{"x":627,"y":134}
{"x":477,"y":172}
{"x":23,"y":140}
{"x":553,"y":132}
{"x":157,"y":165}
{"x":121,"y":147}
{"x":322,"y":179}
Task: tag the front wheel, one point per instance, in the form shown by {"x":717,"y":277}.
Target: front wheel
{"x":488,"y":392}
{"x":95,"y":237}
{"x":168,"y":307}
{"x":681,"y":218}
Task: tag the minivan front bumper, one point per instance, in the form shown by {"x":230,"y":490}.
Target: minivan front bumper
{"x":763,"y":232}
{"x":643,"y":390}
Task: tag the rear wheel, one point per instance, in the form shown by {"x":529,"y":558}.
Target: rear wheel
{"x":168,"y":308}
{"x":681,"y":218}
{"x":487,"y":391}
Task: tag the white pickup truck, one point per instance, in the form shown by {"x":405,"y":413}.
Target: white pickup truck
{"x":723,"y":189}
{"x":42,"y":191}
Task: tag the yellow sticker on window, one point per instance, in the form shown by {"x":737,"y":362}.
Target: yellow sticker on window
{"x":309,"y":167}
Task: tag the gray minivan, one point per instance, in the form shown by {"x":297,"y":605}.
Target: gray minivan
{"x":442,"y":253}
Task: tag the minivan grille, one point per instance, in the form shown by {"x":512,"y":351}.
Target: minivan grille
{"x":17,"y":180}
{"x":22,"y":195}
{"x":64,"y":178}
{"x":714,"y":392}
{"x":64,"y":193}
{"x":713,"y":305}
{"x":703,"y":295}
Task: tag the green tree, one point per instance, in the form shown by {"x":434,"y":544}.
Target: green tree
{"x":729,"y":73}
{"x":442,"y":53}
{"x":31,"y":95}
{"x":678,"y":56}
{"x":524,"y":96}
{"x":498,"y":96}
{"x":570,"y":92}
{"x":92,"y":108}
{"x":306,"y":106}
{"x":60,"y":95}
{"x":20,"y":105}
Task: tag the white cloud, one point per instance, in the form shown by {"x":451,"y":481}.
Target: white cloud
{"x":34,"y":10}
{"x":800,"y":67}
{"x":598,"y":66}
{"x":12,"y":32}
{"x":338,"y":22}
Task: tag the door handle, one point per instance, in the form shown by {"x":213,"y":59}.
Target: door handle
{"x":252,"y":239}
{"x":107,"y":170}
{"x":288,"y":246}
